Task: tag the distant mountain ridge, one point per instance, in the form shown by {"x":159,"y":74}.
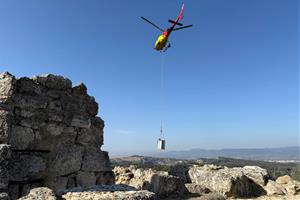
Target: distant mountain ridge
{"x":275,"y":154}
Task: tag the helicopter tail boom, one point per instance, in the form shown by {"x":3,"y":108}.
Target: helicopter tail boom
{"x":180,"y":17}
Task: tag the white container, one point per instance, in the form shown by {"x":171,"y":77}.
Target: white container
{"x":161,"y":144}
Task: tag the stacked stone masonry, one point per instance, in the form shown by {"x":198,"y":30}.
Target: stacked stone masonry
{"x":50,"y":135}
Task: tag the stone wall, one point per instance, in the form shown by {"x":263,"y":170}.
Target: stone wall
{"x":54,"y":134}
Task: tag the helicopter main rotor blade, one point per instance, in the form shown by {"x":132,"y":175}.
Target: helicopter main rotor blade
{"x":176,"y":29}
{"x":152,"y":24}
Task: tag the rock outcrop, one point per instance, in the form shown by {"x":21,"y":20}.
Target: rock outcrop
{"x":284,"y":185}
{"x":108,"y":192}
{"x":98,"y":192}
{"x":273,"y":188}
{"x":54,"y":135}
{"x":162,"y":184}
{"x":291,"y":186}
{"x":230,"y":182}
{"x":41,"y":193}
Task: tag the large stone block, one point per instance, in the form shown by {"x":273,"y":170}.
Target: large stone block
{"x":59,"y":137}
{"x":56,"y":183}
{"x":21,"y":137}
{"x":105,"y":178}
{"x":5,"y":155}
{"x":26,"y":167}
{"x":7,"y":86}
{"x":92,"y":136}
{"x":95,"y":160}
{"x":32,"y":103}
{"x":80,"y":105}
{"x":166,"y":185}
{"x":5,"y":125}
{"x":53,"y":81}
{"x":28,"y":86}
{"x":66,"y":160}
{"x":85,"y":179}
{"x":81,"y":122}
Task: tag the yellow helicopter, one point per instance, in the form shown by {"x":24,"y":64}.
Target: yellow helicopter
{"x":162,"y":40}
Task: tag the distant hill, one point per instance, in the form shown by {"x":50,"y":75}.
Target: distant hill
{"x":144,"y":161}
{"x":272,"y":154}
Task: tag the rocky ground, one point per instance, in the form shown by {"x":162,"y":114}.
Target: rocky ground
{"x":211,"y":182}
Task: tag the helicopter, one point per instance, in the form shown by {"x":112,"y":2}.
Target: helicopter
{"x":162,"y":43}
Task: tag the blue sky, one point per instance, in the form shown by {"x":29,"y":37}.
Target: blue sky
{"x":231,"y":81}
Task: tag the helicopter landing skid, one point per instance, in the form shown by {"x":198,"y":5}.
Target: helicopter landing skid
{"x":167,"y":47}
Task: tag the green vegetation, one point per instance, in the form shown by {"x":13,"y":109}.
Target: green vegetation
{"x":295,"y":174}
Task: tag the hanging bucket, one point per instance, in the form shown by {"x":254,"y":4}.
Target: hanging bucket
{"x":161,"y":144}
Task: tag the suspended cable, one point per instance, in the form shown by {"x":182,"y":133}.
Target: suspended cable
{"x":162,"y":95}
{"x":161,"y":143}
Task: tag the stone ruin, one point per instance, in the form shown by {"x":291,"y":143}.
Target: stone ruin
{"x":49,"y":136}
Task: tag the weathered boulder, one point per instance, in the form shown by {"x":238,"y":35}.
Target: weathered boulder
{"x":138,"y":178}
{"x":41,"y":193}
{"x":123,"y":175}
{"x":105,"y":192}
{"x":284,"y":180}
{"x":166,"y":185}
{"x":226,"y":181}
{"x":162,"y":184}
{"x":180,"y":170}
{"x":142,"y":177}
{"x":259,"y":175}
{"x":273,"y":188}
{"x":292,"y":186}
